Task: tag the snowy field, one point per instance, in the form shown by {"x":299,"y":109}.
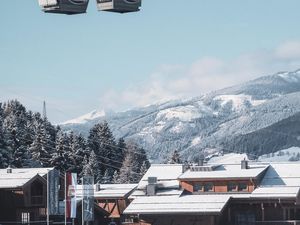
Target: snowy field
{"x":231,"y":158}
{"x":285,"y":155}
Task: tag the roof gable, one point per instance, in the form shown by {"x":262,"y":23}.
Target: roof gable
{"x":19,"y":177}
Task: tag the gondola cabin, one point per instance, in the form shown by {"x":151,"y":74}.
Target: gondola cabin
{"x":68,"y":7}
{"x":119,"y":6}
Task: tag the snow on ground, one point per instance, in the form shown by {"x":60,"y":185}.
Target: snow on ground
{"x":239,"y":102}
{"x":178,"y":128}
{"x":284,"y":155}
{"x":156,"y":129}
{"x":183,"y":113}
{"x":85,"y":118}
{"x":230,"y":158}
{"x":196,"y":141}
{"x":288,"y":77}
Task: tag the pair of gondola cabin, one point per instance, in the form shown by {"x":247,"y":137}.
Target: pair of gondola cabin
{"x":70,"y":7}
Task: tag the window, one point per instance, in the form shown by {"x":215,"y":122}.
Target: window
{"x":242,"y":187}
{"x":231,"y":187}
{"x":25,"y":217}
{"x":245,"y":219}
{"x":198,"y":187}
{"x":208,"y":187}
{"x":37,"y":193}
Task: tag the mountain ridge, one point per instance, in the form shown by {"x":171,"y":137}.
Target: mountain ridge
{"x":203,"y":123}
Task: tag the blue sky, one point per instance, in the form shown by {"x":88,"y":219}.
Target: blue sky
{"x":169,"y":49}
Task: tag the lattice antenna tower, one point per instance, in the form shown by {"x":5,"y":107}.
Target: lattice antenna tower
{"x":44,"y":110}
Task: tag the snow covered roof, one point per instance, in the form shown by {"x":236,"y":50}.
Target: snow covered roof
{"x":161,"y":192}
{"x":167,"y":175}
{"x":187,"y":204}
{"x":275,"y":192}
{"x":226,"y":171}
{"x":110,"y":191}
{"x":282,"y":180}
{"x":19,"y":177}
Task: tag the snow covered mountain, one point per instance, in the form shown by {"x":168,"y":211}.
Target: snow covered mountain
{"x":86,"y":118}
{"x":208,"y":123}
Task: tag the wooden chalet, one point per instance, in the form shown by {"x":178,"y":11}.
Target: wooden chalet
{"x":23,"y":199}
{"x":229,"y":194}
{"x":23,"y":195}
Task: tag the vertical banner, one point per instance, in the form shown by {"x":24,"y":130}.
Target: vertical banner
{"x":71,"y":204}
{"x":88,"y":198}
{"x":53,"y":192}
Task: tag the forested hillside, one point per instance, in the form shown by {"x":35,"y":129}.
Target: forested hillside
{"x":234,"y":119}
{"x":281,"y":135}
{"x":28,"y":140}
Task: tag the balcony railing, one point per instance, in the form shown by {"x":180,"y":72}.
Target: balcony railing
{"x":286,"y":222}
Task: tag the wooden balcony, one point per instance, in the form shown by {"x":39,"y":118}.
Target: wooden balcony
{"x":135,"y":223}
{"x":286,"y":222}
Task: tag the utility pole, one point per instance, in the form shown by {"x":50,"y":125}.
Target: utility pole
{"x":48,"y":197}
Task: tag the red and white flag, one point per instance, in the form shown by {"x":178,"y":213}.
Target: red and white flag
{"x":71,"y":185}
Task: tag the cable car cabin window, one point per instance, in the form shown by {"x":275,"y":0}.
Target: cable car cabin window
{"x":232,"y":187}
{"x":242,"y":187}
{"x":37,"y":193}
{"x":198,"y":187}
{"x":208,"y":187}
{"x":119,"y":6}
{"x":68,"y":7}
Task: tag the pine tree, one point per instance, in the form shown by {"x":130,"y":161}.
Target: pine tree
{"x":4,"y":154}
{"x":120,"y":151}
{"x":143,"y":170}
{"x":42,"y":146}
{"x":15,"y":126}
{"x":95,"y":167}
{"x":116,"y":178}
{"x":134,"y":165}
{"x":129,"y":170}
{"x":107,"y":178}
{"x":86,"y":170}
{"x":78,"y":149}
{"x":175,"y":158}
{"x":60,"y":158}
{"x":102,"y":142}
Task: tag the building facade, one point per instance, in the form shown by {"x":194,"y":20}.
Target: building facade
{"x":216,"y":194}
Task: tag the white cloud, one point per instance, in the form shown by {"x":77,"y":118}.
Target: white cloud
{"x":289,"y":50}
{"x":204,"y":75}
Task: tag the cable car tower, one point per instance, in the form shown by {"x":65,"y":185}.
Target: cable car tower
{"x":71,"y":7}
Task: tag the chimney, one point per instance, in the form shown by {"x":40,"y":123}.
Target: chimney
{"x":201,"y":160}
{"x":151,"y":187}
{"x":244,"y":164}
{"x":185,"y":167}
{"x":9,"y":169}
{"x":98,"y":187}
